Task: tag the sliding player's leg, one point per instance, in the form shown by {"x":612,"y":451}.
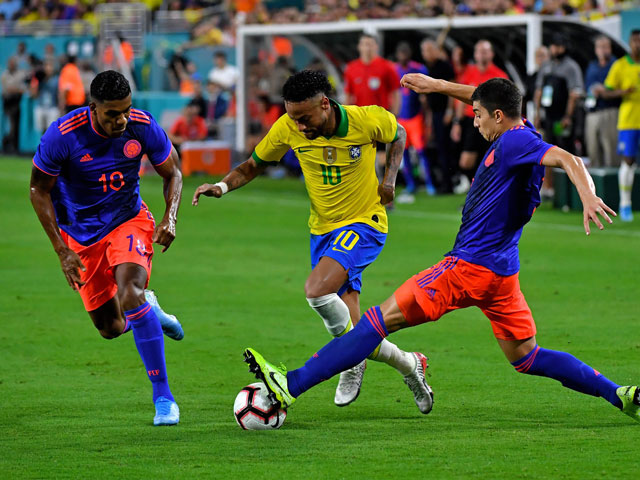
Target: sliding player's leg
{"x":515,"y":330}
{"x":348,"y":350}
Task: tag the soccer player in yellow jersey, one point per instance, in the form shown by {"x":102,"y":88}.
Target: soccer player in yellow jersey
{"x":623,"y":81}
{"x":336,"y":146}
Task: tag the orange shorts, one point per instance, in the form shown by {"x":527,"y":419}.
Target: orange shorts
{"x":415,"y":131}
{"x":453,"y":283}
{"x":130,"y":242}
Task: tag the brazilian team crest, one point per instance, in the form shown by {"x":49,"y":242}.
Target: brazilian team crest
{"x":354,"y":152}
{"x":330,"y":154}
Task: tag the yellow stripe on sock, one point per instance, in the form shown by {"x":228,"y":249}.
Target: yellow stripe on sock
{"x":349,"y":327}
{"x":374,"y":354}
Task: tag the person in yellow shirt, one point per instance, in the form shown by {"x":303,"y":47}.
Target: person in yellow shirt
{"x":623,"y":81}
{"x":336,"y":147}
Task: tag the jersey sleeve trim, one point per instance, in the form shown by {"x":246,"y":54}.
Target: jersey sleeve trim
{"x":42,"y":170}
{"x":545,"y":153}
{"x":167,"y":158}
{"x":260,"y":161}
{"x":395,"y":137}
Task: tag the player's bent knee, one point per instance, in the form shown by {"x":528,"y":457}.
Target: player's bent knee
{"x":109,"y":334}
{"x":313,"y":289}
{"x":131,"y":296}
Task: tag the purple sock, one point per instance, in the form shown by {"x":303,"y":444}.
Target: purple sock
{"x":147,"y":333}
{"x":569,"y":371}
{"x":340,"y":354}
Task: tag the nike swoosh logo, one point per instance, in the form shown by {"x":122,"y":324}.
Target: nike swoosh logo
{"x":300,"y":150}
{"x":338,"y":250}
{"x":273,"y":379}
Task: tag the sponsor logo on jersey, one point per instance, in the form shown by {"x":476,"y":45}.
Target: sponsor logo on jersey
{"x":132,"y":148}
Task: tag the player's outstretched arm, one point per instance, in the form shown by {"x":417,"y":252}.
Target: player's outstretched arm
{"x":40,"y":194}
{"x":387,"y":189}
{"x":236,"y":178}
{"x":592,"y":204}
{"x":165,"y":231}
{"x":421,"y":83}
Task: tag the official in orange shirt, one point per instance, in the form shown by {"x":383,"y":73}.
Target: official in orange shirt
{"x":70,"y":87}
{"x":473,"y":145}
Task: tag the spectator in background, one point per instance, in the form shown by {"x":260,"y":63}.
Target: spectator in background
{"x":440,"y":111}
{"x":222,"y":73}
{"x":411,"y":117}
{"x":198,"y":97}
{"x":278,"y":74}
{"x":188,"y":77}
{"x":13,"y":81}
{"x":50,"y":56}
{"x":542,"y":55}
{"x":109,"y":57}
{"x":370,"y":79}
{"x":559,"y":85}
{"x":22,"y":57}
{"x":473,"y":144}
{"x":87,"y":73}
{"x":217,"y":106}
{"x":623,"y":81}
{"x":71,"y":93}
{"x":44,"y":91}
{"x":188,"y":127}
{"x":459,"y":62}
{"x":601,"y":134}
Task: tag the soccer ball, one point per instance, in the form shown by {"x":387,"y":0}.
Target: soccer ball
{"x":254,"y":411}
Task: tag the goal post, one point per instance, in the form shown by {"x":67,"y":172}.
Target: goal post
{"x":517,"y":36}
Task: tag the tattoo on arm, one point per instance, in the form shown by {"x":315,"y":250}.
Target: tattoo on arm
{"x":243,"y":174}
{"x":395,"y":150}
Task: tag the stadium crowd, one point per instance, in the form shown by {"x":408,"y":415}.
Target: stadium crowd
{"x":569,"y":103}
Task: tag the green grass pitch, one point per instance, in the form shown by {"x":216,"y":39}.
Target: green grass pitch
{"x":73,"y":405}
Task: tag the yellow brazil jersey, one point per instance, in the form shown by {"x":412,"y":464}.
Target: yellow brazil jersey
{"x":625,"y":73}
{"x":339,"y":171}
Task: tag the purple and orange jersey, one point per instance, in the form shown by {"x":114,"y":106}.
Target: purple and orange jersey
{"x":410,"y":105}
{"x":502,"y":199}
{"x":98,"y":185}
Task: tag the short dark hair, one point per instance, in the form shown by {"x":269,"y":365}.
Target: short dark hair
{"x":305,"y":84}
{"x":499,"y":94}
{"x":369,"y":35}
{"x":635,"y":31}
{"x":109,"y":85}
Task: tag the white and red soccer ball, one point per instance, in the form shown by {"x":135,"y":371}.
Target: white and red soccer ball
{"x":254,"y":411}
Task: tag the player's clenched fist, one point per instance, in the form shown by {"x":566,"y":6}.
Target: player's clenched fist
{"x":387,"y":193}
{"x":70,"y":263}
{"x":208,"y":190}
{"x":419,"y":83}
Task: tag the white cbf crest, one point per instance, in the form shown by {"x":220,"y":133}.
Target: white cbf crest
{"x":354,"y":152}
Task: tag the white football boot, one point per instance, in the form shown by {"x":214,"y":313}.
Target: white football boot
{"x":349,"y":385}
{"x":417,"y":383}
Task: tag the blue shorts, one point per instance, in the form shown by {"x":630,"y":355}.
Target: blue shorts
{"x":628,"y":142}
{"x":353,"y":246}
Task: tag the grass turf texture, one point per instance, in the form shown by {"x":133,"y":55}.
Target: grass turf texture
{"x":76,"y":406}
